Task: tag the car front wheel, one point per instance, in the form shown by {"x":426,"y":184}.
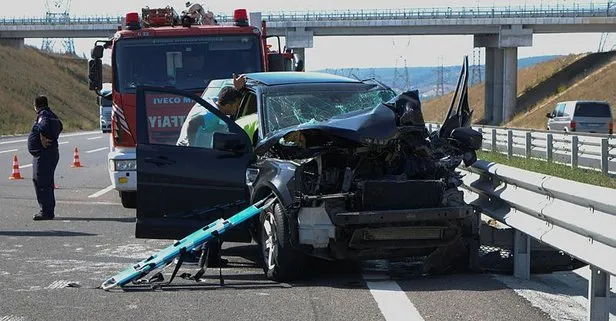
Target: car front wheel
{"x":281,"y":262}
{"x":129,"y":199}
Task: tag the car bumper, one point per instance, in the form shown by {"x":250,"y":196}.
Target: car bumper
{"x":402,"y":216}
{"x":399,"y":233}
{"x":124,"y":181}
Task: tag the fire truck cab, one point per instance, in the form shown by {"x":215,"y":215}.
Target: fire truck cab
{"x":165,"y":49}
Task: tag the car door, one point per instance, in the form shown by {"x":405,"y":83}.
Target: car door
{"x":558,"y":122}
{"x":183,"y":188}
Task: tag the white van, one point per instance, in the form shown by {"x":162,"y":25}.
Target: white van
{"x":104,"y":109}
{"x":581,"y":116}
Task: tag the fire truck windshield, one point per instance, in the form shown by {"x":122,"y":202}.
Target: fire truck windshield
{"x":187,"y":63}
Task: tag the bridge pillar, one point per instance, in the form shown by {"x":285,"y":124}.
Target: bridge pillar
{"x":488,"y":95}
{"x":12,"y":42}
{"x":298,"y":39}
{"x":501,"y":70}
{"x":497,"y":86}
{"x":510,"y":82}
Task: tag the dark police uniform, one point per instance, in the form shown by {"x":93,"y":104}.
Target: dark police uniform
{"x":45,"y":160}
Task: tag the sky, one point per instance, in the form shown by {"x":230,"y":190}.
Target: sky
{"x":347,"y":52}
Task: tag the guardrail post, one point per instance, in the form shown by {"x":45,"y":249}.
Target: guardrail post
{"x":480,"y":130}
{"x":598,"y":295}
{"x":548,"y":147}
{"x":521,"y":256}
{"x":494,"y":149}
{"x":528,"y":144}
{"x":509,"y":143}
{"x":605,"y":155}
{"x":574,"y":151}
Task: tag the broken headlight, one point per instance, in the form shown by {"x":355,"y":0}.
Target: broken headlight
{"x":251,"y":175}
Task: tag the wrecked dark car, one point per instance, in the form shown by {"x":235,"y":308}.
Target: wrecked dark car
{"x":354,"y":171}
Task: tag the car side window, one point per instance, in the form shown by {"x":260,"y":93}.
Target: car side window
{"x":247,"y":117}
{"x":560,"y":109}
{"x":175,"y":119}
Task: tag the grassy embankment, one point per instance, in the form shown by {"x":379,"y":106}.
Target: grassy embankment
{"x":434,"y":110}
{"x":553,"y":169}
{"x":29,"y":72}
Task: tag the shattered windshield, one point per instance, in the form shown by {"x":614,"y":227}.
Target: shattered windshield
{"x":292,"y":108}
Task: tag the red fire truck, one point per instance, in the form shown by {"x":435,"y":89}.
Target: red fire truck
{"x":162,"y":48}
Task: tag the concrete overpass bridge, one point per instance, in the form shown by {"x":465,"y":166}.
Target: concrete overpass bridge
{"x":500,"y":30}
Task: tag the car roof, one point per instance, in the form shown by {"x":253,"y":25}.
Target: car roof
{"x":274,"y":78}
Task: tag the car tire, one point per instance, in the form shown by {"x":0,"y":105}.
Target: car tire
{"x":281,"y":262}
{"x":129,"y":199}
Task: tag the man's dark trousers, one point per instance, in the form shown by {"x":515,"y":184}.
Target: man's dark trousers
{"x":43,"y":168}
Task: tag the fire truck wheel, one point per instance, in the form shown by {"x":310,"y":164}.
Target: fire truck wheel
{"x":129,"y":199}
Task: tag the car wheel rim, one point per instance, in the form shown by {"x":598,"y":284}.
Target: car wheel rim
{"x":270,"y":244}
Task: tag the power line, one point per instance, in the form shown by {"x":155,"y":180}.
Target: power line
{"x":58,"y":14}
{"x":476,"y":68}
{"x":440,"y":79}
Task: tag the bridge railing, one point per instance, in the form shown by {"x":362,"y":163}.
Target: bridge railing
{"x":529,"y":11}
{"x":442,"y":13}
{"x":575,"y":218}
{"x":591,"y":151}
{"x":61,"y":21}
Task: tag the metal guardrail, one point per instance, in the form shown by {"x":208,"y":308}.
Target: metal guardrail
{"x":591,"y":151}
{"x":576,"y":218}
{"x":530,"y":11}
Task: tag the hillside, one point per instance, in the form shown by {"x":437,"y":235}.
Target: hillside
{"x":29,"y":72}
{"x":597,"y":85}
{"x":423,"y":78}
{"x":435,"y":109}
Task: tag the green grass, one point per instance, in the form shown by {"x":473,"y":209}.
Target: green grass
{"x":559,"y":170}
{"x":28,"y":72}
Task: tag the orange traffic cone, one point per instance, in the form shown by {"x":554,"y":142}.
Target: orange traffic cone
{"x":76,"y":162}
{"x":15,"y":174}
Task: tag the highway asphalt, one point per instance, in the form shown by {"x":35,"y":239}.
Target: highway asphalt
{"x":50,"y":270}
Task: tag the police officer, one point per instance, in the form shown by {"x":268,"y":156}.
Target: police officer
{"x":43,"y":146}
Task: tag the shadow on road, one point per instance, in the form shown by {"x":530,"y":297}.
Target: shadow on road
{"x":44,"y":233}
{"x":98,"y":219}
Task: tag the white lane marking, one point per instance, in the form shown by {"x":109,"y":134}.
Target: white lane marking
{"x":58,"y":284}
{"x":88,"y":203}
{"x":61,"y":136}
{"x":392,"y":301}
{"x":14,"y":141}
{"x":96,"y":150}
{"x":12,"y":318}
{"x":92,"y":138}
{"x":25,"y":166}
{"x":62,"y":143}
{"x":101,"y":192}
{"x":8,"y":151}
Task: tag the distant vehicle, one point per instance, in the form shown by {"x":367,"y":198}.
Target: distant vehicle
{"x":581,"y":116}
{"x":104,"y":108}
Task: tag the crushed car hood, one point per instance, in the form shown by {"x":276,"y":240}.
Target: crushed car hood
{"x":376,"y":123}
